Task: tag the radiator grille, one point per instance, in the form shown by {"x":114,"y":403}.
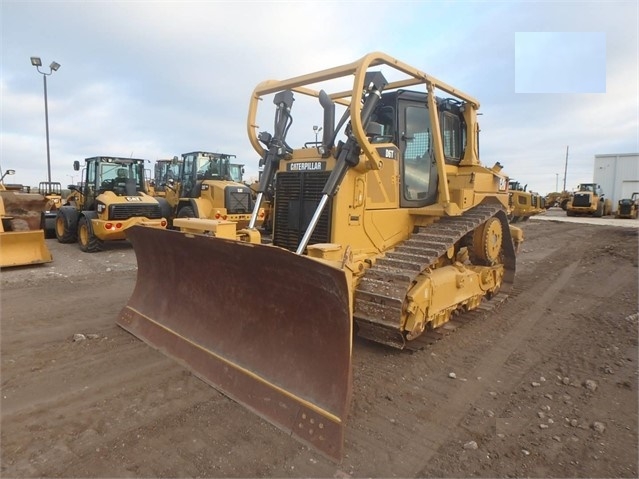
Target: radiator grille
{"x":237,"y":201}
{"x":297,"y":195}
{"x":581,"y":199}
{"x":127,"y":210}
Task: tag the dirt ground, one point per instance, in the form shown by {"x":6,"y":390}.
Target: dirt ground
{"x":544,"y":386}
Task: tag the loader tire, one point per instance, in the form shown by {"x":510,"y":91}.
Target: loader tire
{"x":186,"y":212}
{"x":89,"y":243}
{"x":66,"y":225}
{"x":600,"y":210}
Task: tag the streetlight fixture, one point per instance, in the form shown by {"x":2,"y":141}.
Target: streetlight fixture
{"x":8,"y":172}
{"x":37,"y":62}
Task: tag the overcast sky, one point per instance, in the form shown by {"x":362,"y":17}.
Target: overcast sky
{"x":154,"y":79}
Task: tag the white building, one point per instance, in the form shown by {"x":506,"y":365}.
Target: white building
{"x":618,"y":175}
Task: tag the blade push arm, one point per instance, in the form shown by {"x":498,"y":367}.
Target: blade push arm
{"x":277,"y":148}
{"x":347,"y":153}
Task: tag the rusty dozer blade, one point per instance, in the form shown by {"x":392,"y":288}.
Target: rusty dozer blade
{"x":21,"y":248}
{"x":268,"y":328}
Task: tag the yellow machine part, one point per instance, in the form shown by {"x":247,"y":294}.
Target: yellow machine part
{"x":271,"y":326}
{"x":20,"y":243}
{"x":239,"y":354}
{"x":21,"y":248}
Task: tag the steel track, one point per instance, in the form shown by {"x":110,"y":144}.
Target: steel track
{"x":380,"y":295}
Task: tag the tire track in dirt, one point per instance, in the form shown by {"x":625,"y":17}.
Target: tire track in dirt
{"x":543,"y":351}
{"x":148,"y":417}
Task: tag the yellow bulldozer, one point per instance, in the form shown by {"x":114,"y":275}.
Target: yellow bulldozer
{"x":21,"y":238}
{"x":111,"y":199}
{"x":386,"y":233}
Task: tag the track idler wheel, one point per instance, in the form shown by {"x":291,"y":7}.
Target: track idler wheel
{"x":487,"y":241}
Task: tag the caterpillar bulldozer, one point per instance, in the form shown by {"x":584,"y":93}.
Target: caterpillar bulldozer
{"x":111,"y":199}
{"x":589,"y":199}
{"x":386,"y":233}
{"x":22,"y":240}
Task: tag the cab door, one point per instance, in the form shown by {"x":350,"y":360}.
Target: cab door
{"x":418,"y":169}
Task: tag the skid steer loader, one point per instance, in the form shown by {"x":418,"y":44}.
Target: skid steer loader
{"x":21,"y":239}
{"x":385,"y":234}
{"x":628,"y":207}
{"x":112,"y":199}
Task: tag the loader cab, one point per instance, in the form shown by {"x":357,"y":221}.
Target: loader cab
{"x":199,"y":166}
{"x":166,"y":172}
{"x":405,"y":121}
{"x":122,"y":176}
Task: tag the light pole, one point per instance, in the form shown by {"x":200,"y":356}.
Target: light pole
{"x":36,"y":62}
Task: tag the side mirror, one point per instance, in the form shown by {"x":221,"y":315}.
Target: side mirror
{"x":76,"y":165}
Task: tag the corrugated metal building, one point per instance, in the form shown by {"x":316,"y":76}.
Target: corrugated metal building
{"x":618,"y":175}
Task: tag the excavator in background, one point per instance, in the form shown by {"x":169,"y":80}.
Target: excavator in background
{"x":386,"y":233}
{"x":589,"y":199}
{"x":627,"y":207}
{"x":112,"y":199}
{"x":21,"y":238}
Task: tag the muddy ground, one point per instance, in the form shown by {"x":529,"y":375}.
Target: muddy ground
{"x":545,"y":385}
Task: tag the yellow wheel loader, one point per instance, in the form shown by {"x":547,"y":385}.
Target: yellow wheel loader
{"x":557,"y":199}
{"x":21,"y":239}
{"x":522,"y":204}
{"x":385,"y":233}
{"x":166,"y":174}
{"x":210,"y":187}
{"x":111,"y":199}
{"x":589,"y":200}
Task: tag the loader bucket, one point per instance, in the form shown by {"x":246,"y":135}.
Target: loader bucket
{"x":21,"y":248}
{"x":268,"y":328}
{"x":25,"y":207}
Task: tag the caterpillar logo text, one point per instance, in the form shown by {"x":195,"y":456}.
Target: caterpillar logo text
{"x":307,"y":166}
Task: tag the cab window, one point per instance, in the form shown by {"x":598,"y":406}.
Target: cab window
{"x":417,"y":154}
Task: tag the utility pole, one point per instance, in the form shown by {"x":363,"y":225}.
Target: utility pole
{"x":566,"y":168}
{"x":556,"y":181}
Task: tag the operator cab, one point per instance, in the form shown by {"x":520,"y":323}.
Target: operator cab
{"x":405,"y":122}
